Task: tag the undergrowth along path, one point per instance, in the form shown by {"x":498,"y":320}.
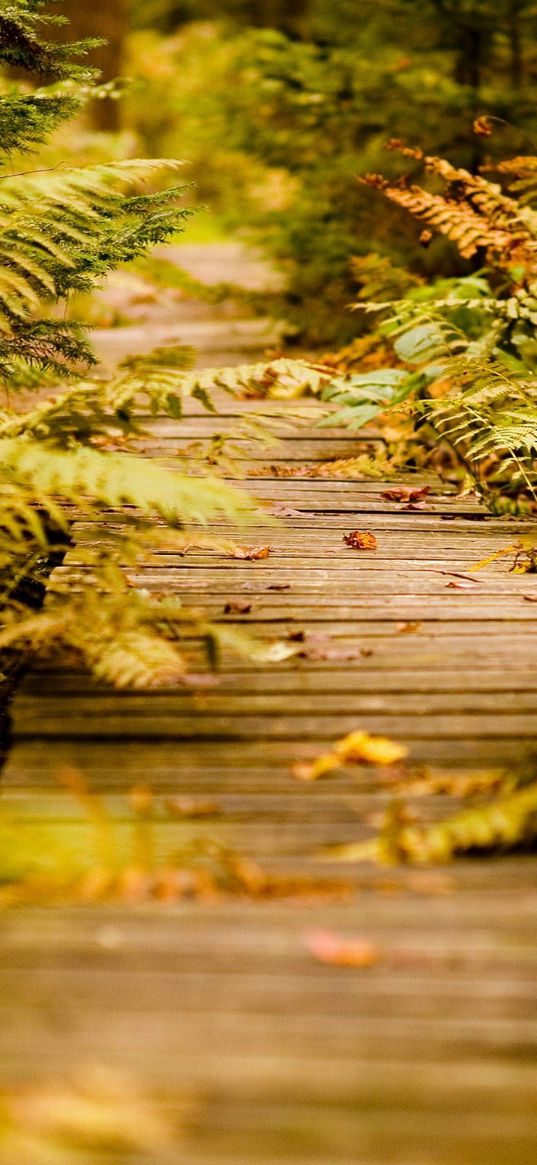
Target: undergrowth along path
{"x":426,"y":1051}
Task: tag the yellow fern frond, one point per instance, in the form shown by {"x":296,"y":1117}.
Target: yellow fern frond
{"x":117,"y":479}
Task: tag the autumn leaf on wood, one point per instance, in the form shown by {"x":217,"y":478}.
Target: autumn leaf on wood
{"x":401,"y":493}
{"x":360,"y":540}
{"x":357,"y":747}
{"x":251,"y":553}
{"x":318,"y":646}
{"x":463,"y":584}
{"x":336,"y":951}
{"x":177,"y":542}
{"x":280,"y":511}
{"x":375,"y":750}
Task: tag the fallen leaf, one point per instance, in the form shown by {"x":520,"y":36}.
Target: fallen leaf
{"x":251,"y":552}
{"x":279,"y":587}
{"x":192,"y":807}
{"x":320,"y":647}
{"x":280,"y":511}
{"x":376,"y":750}
{"x":530,"y":598}
{"x":180,"y":543}
{"x":408,"y":628}
{"x":237,"y":607}
{"x":360,"y":540}
{"x":275,"y":652}
{"x":336,"y":951}
{"x":356,"y":747}
{"x":400,"y":493}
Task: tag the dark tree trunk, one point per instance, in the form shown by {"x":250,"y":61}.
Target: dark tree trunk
{"x":107,"y":19}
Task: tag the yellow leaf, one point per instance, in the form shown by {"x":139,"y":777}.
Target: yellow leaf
{"x":311,"y":770}
{"x":373,"y":750}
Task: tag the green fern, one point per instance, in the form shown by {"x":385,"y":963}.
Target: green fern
{"x":62,"y":231}
{"x":117,"y":480}
{"x":475,"y":353}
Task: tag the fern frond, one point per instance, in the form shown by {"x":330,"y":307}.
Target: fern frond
{"x":366,"y":394}
{"x":507,"y":822}
{"x":132,"y":659}
{"x":117,"y":480}
{"x":474,"y":214}
{"x":461,"y":224}
{"x":503,"y":823}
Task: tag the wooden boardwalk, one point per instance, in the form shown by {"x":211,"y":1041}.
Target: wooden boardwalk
{"x":429,"y":1057}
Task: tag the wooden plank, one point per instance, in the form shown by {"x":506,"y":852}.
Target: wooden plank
{"x":427,"y":1056}
{"x":210,"y":704}
{"x":154,"y":722}
{"x":299,"y":682}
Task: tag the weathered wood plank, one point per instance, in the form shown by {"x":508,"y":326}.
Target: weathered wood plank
{"x":427,"y":1057}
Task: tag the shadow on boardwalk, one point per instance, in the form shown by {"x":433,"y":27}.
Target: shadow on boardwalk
{"x":427,"y":1057}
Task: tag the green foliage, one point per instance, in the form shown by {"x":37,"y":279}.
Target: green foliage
{"x":366,"y":394}
{"x":314,"y":109}
{"x":61,"y":231}
{"x":468,"y":345}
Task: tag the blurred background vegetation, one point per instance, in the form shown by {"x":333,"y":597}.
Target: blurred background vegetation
{"x":279,"y":107}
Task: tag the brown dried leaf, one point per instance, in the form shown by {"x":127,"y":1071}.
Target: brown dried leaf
{"x":401,"y":493}
{"x":408,"y":628}
{"x":360,"y":540}
{"x":181,"y":543}
{"x":331,"y":948}
{"x":462,"y":584}
{"x":280,"y":511}
{"x":482,"y":126}
{"x":237,"y":607}
{"x":250,"y":553}
{"x":320,"y":647}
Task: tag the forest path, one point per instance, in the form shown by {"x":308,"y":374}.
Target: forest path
{"x":224,"y":332}
{"x":428,"y":1055}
